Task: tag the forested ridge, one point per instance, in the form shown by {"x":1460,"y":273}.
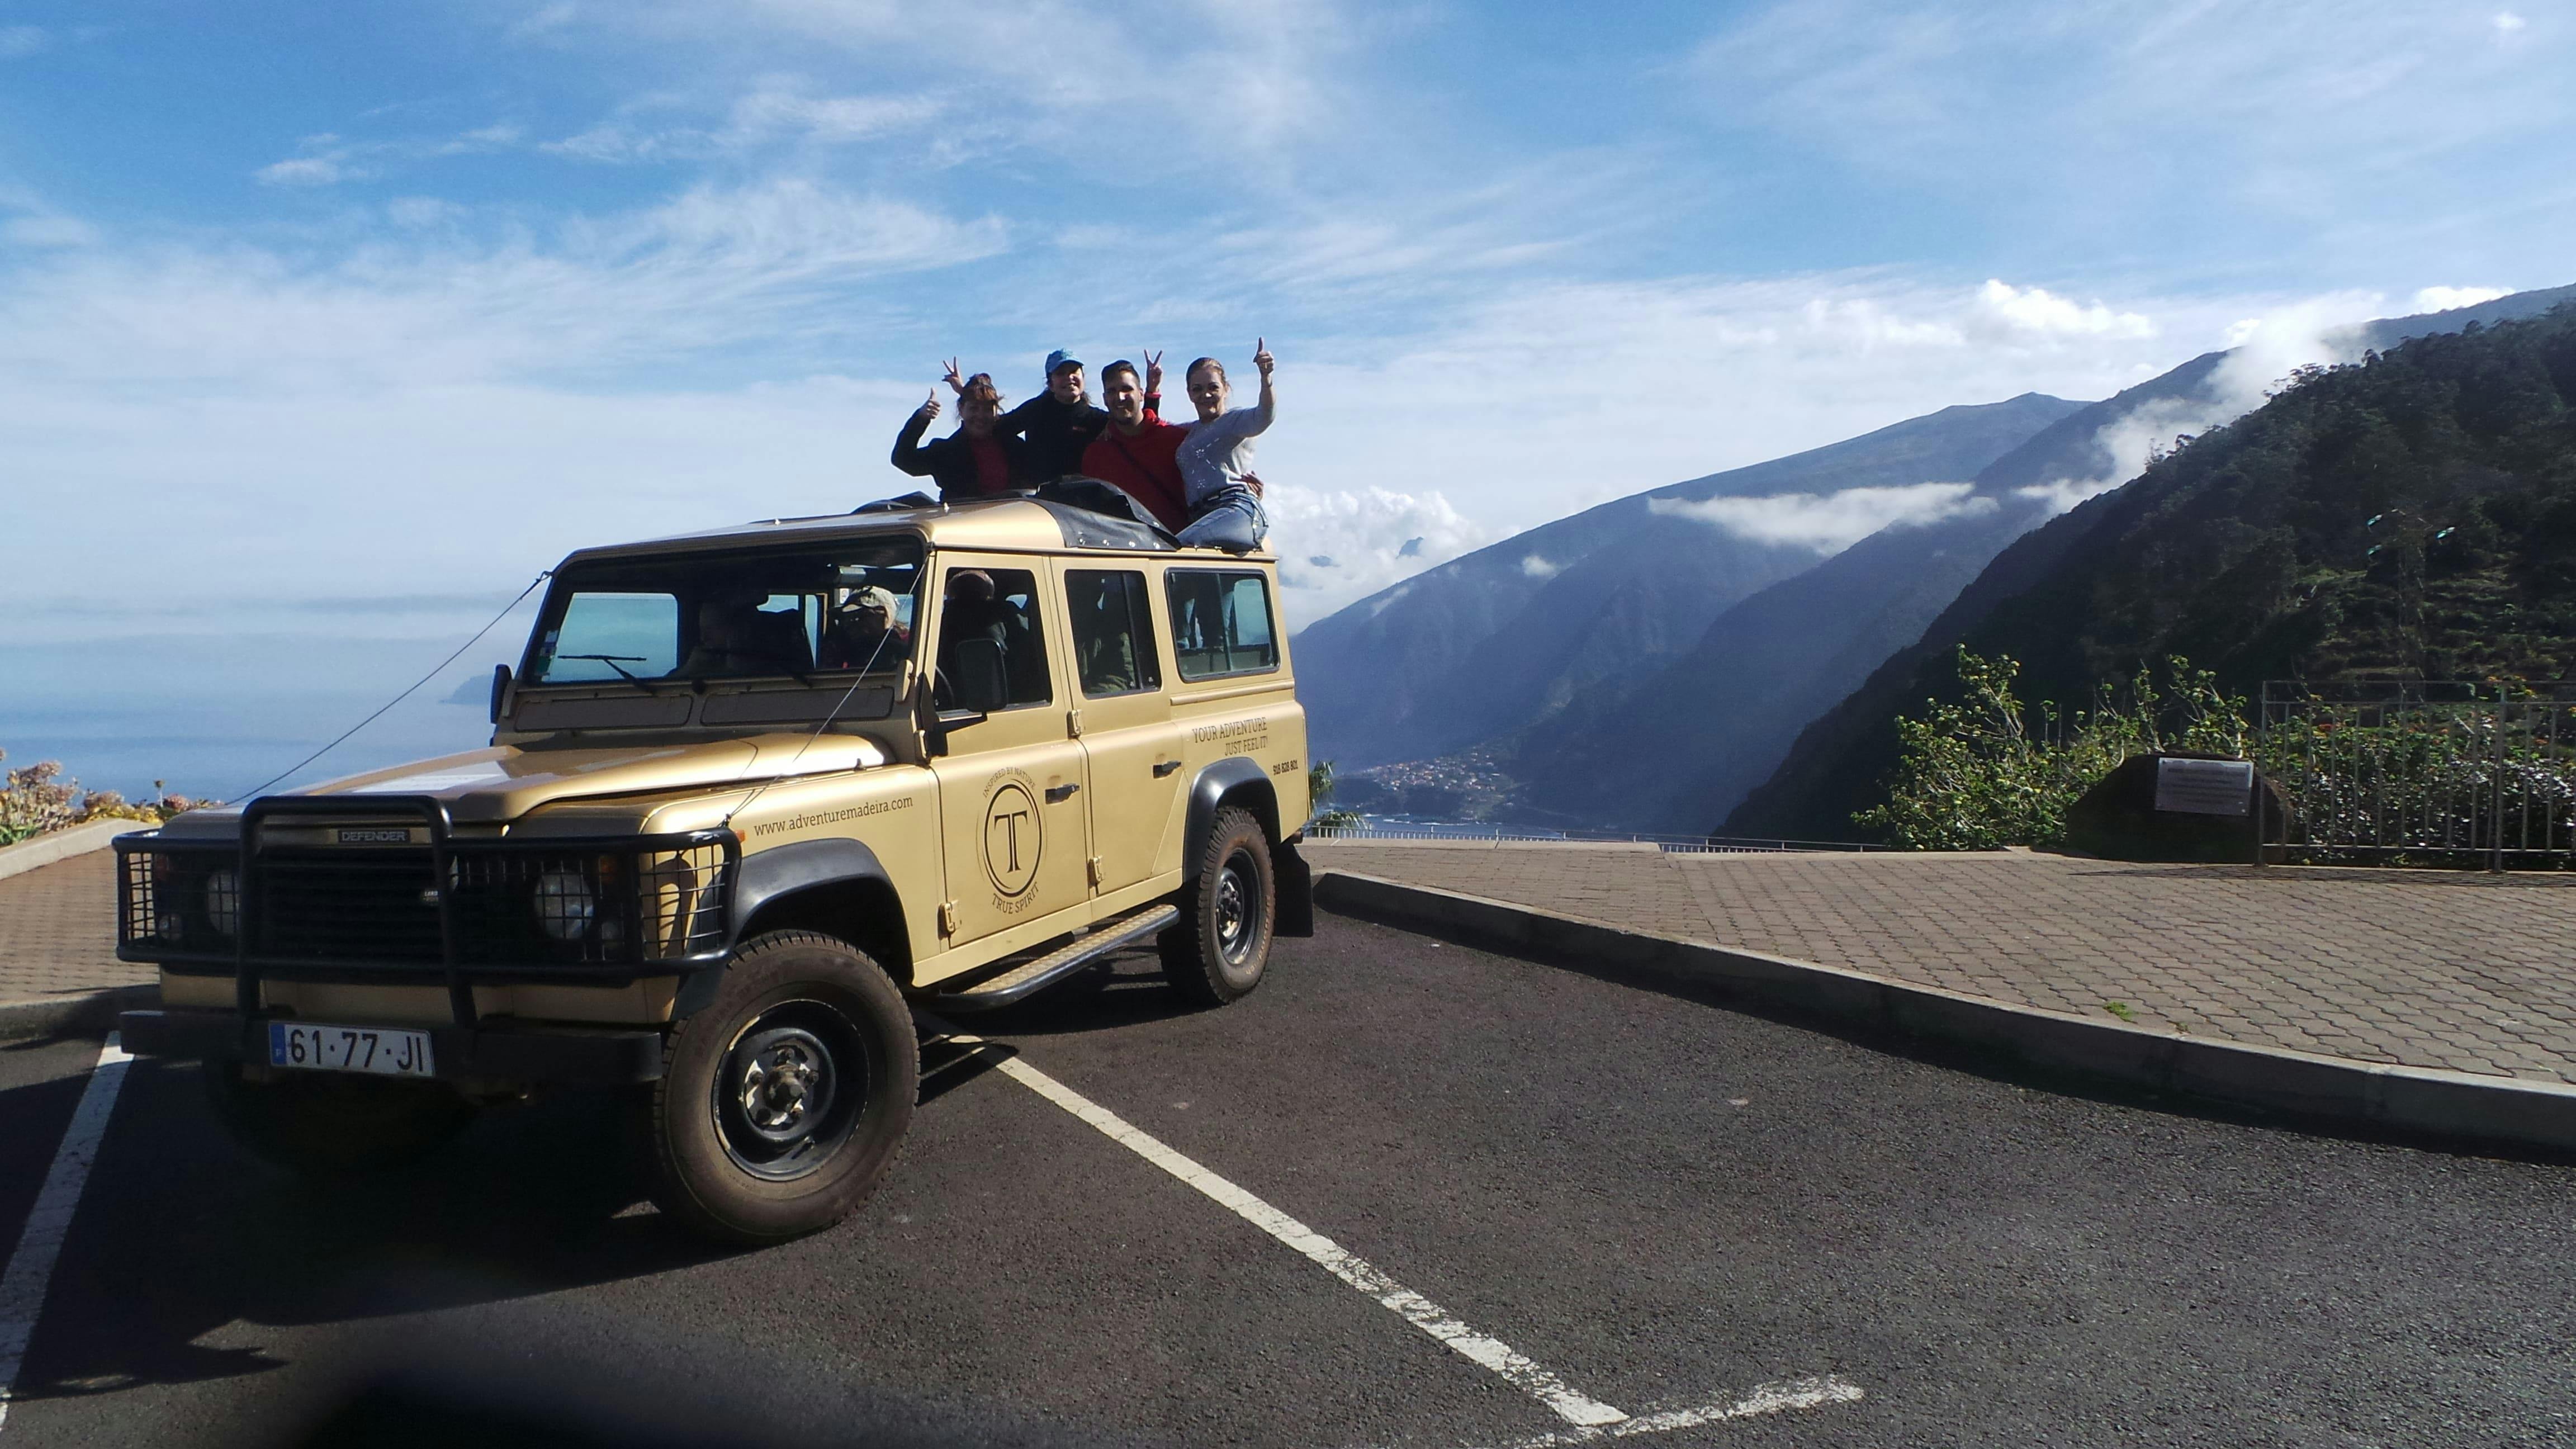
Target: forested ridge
{"x":2412,"y":515}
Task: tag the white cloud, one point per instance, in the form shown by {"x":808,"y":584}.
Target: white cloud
{"x":310,"y":171}
{"x":329,"y":160}
{"x":2265,"y":351}
{"x":1828,"y":522}
{"x":416,"y":212}
{"x":640,"y":290}
{"x":1374,"y":537}
{"x":2036,"y":310}
{"x":776,"y":109}
{"x":2443,"y":299}
{"x":2319,"y":125}
{"x":47,"y":230}
{"x":1050,"y":73}
{"x":1539,"y":568}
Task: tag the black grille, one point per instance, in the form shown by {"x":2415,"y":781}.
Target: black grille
{"x":511,"y":904}
{"x":346,"y":905}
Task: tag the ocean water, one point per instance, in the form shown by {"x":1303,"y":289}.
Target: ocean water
{"x":214,"y":711}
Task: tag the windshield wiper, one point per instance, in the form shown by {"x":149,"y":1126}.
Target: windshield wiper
{"x":612,"y":661}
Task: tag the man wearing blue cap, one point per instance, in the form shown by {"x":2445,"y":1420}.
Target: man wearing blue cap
{"x":1061,"y":422}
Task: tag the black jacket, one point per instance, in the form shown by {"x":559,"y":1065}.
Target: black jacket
{"x":1056,"y":434}
{"x":950,"y":461}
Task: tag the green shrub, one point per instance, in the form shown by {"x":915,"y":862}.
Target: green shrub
{"x":1984,"y":773}
{"x":1319,"y":794}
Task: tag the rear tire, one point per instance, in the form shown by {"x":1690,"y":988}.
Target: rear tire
{"x":783,"y":1103}
{"x":1228,"y":913}
{"x":335,"y":1126}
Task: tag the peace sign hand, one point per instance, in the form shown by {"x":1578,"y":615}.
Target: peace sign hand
{"x":1153,"y":372}
{"x":956,"y":380}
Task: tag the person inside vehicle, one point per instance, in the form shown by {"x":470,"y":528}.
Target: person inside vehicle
{"x":1138,"y":451}
{"x":1059,"y":424}
{"x":736,"y":637}
{"x":863,"y":633}
{"x":988,"y":653}
{"x":1215,"y":459}
{"x":981,"y":459}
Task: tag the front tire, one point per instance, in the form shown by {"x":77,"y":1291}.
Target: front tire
{"x":783,"y":1103}
{"x":335,"y":1126}
{"x":1228,"y":914}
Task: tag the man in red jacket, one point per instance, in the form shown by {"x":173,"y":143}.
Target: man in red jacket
{"x":1138,"y":451}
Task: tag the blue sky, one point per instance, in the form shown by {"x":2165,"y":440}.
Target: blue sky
{"x":309,"y":306}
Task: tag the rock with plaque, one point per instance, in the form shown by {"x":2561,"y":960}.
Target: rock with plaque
{"x":2170,"y":807}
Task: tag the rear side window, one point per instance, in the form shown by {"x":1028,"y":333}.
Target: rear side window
{"x":1221,"y":623}
{"x":1113,"y":631}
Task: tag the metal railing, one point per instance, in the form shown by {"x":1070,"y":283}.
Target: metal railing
{"x":1472,"y":834}
{"x":2449,"y":772}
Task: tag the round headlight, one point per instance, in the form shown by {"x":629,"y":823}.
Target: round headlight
{"x":565,"y":904}
{"x":223,"y":900}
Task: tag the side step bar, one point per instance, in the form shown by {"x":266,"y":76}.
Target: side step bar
{"x":1029,"y":978}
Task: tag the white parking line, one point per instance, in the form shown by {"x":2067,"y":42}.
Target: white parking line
{"x":31,"y":1266}
{"x":1592,"y":1418}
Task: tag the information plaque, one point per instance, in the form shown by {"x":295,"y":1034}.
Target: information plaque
{"x":2205,"y":787}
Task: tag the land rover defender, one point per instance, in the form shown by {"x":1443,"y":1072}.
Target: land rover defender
{"x":751,"y":796}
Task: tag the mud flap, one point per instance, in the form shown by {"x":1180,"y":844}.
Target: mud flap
{"x":1295,"y":885}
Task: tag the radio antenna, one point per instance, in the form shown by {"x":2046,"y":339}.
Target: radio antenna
{"x":837,"y":707}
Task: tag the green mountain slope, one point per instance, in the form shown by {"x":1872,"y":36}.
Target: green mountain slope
{"x":2254,"y":550}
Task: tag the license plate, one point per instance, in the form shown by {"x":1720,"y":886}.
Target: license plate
{"x":381,"y":1051}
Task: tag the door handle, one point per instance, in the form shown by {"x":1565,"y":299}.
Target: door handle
{"x":1058,"y":794}
{"x":1165,"y":768}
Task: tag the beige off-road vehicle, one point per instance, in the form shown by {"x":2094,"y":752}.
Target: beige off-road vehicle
{"x":749,"y":794}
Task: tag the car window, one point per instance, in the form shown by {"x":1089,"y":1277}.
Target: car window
{"x":1221,"y":623}
{"x":1113,"y":631}
{"x":992,"y":651}
{"x":710,"y":616}
{"x":604,"y":635}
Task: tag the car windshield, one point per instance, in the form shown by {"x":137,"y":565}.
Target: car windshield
{"x":844,"y":609}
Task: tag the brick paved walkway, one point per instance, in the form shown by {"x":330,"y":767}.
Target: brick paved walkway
{"x":2469,"y":972}
{"x":58,"y":930}
{"x":2420,"y":968}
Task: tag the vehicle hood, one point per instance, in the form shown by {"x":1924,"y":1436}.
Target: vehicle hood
{"x":504,"y":783}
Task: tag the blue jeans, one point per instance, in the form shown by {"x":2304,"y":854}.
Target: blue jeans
{"x":1231,"y":520}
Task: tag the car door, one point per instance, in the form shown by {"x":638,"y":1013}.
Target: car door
{"x":1130,"y":744}
{"x":1015,"y":839}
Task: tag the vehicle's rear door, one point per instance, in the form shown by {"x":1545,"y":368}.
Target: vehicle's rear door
{"x":1129,"y":740}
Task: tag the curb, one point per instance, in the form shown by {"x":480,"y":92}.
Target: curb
{"x":2419,"y":1100}
{"x":57,"y":845}
{"x":73,"y":1014}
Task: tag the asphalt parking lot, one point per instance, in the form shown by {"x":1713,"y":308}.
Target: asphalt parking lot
{"x":1728,"y":1229}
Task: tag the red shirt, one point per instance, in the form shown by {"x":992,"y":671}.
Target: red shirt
{"x":992,"y":465}
{"x":1147,"y":465}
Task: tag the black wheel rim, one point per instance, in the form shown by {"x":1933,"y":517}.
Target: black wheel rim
{"x":1238,"y":910}
{"x":789,"y":1089}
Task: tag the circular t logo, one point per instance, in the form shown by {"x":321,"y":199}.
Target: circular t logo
{"x":1014,"y":836}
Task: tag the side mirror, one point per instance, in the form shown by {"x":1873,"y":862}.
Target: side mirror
{"x":500,"y":689}
{"x":937,"y":722}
